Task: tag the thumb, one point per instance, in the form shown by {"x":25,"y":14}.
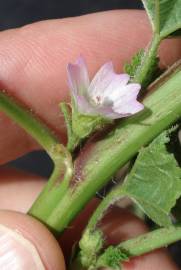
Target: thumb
{"x":27,"y":244}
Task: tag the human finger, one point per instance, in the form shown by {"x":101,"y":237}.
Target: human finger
{"x":27,"y":244}
{"x":18,"y":189}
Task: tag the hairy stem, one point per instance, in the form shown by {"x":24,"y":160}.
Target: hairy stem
{"x":92,"y":240}
{"x":29,"y":122}
{"x":151,"y":241}
{"x":138,"y":246}
{"x":114,"y":195}
{"x":55,"y":189}
{"x":145,"y":69}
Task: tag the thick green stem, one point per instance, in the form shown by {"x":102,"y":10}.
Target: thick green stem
{"x":100,"y":159}
{"x":56,"y":187}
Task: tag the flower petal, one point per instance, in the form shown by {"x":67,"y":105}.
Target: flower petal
{"x":127,"y":102}
{"x":87,"y":108}
{"x":108,"y":113}
{"x":105,"y":81}
{"x":84,"y":106}
{"x":78,"y":78}
{"x":83,"y":71}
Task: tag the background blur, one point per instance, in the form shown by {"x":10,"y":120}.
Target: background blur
{"x":15,"y":13}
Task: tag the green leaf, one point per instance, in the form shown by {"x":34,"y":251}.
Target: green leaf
{"x":134,"y":67}
{"x":165,"y":15}
{"x":155,"y":181}
{"x":111,"y":258}
{"x":134,"y":64}
{"x":80,"y":126}
{"x":84,"y":125}
{"x":90,"y":244}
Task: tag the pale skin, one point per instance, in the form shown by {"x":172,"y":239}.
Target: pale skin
{"x":32,"y":68}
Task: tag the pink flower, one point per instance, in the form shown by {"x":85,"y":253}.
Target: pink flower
{"x":108,"y":95}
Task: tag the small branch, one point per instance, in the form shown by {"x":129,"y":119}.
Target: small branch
{"x":113,"y":196}
{"x":138,"y":246}
{"x":92,"y":240}
{"x":151,"y":241}
{"x":157,"y":17}
{"x":147,"y":63}
{"x":134,"y":247}
{"x":29,"y":122}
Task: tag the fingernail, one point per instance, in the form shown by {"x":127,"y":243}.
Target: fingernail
{"x":16,"y":252}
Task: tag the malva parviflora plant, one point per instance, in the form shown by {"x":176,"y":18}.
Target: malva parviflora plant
{"x":118,"y":118}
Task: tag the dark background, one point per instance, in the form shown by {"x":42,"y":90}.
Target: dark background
{"x":15,"y":13}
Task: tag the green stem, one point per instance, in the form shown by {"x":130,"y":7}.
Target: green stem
{"x":114,"y":195}
{"x":157,"y":17}
{"x":148,"y":60}
{"x":151,"y":241}
{"x":27,"y":120}
{"x":137,"y":246}
{"x":63,"y":169}
{"x":56,"y":187}
{"x":108,"y":154}
{"x":73,"y":140}
{"x":92,"y":240}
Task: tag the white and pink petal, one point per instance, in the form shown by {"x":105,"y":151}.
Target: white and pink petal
{"x":78,"y":78}
{"x":106,"y":80}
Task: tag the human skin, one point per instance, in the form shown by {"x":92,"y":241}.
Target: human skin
{"x":33,"y":63}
